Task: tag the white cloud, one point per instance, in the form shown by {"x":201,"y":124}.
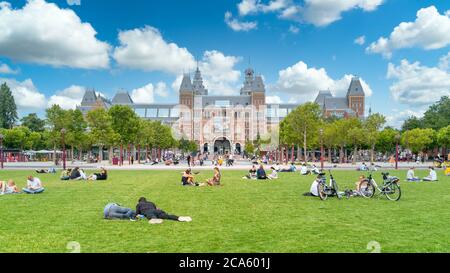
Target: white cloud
{"x":42,"y":33}
{"x":219,"y":74}
{"x":360,"y":40}
{"x":418,"y":85}
{"x":74,"y":2}
{"x":5,"y":69}
{"x":317,"y":12}
{"x":237,"y":25}
{"x":146,"y":49}
{"x":26,"y":95}
{"x":146,"y":94}
{"x":303,"y":82}
{"x":397,"y":119}
{"x":444,"y":62}
{"x":68,"y":98}
{"x":274,"y":100}
{"x":430,"y":30}
{"x":294,"y":29}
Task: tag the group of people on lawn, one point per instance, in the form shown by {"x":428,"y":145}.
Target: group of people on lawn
{"x":34,"y":186}
{"x":78,"y":174}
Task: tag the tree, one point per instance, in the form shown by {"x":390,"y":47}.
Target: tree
{"x":438,"y":115}
{"x":418,"y":139}
{"x":411,"y":123}
{"x":8,"y":108}
{"x":343,"y":126}
{"x":249,"y":148}
{"x":356,"y":136}
{"x":57,"y":119}
{"x":125,"y":124}
{"x":101,"y":131}
{"x":386,"y":140}
{"x":34,"y":140}
{"x":33,"y":122}
{"x":76,"y":131}
{"x":187,"y":146}
{"x":302,"y":126}
{"x":443,"y":138}
{"x":373,"y":125}
{"x":329,"y":137}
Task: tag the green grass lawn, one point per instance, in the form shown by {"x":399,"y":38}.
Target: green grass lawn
{"x":240,"y":216}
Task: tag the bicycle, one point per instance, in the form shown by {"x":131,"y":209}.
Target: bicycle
{"x":325,"y":190}
{"x":390,"y":188}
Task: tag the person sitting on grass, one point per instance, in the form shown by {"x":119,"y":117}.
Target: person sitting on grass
{"x":251,"y":173}
{"x":314,"y":191}
{"x":289,"y":169}
{"x":274,"y":174}
{"x":410,"y":176}
{"x":261,"y":173}
{"x":363,"y":167}
{"x":34,"y":186}
{"x":116,"y":211}
{"x":78,"y":174}
{"x":187,"y":179}
{"x":65,"y":174}
{"x":8,"y":187}
{"x":304,"y":170}
{"x":447,"y":171}
{"x":315,"y":170}
{"x":215,"y":181}
{"x":156,"y":215}
{"x":102,"y":175}
{"x":357,"y":191}
{"x":432,"y":176}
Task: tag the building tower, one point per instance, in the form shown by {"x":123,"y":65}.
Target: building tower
{"x":356,"y":97}
{"x":199,"y":88}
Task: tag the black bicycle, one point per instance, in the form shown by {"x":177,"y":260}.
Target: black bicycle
{"x":390,"y":188}
{"x":325,"y":190}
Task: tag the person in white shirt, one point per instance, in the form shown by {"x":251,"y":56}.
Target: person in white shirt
{"x":314,"y":191}
{"x":315,"y":170}
{"x":275,"y":170}
{"x":304,"y":170}
{"x":34,"y":185}
{"x":432,"y":176}
{"x":410,"y":176}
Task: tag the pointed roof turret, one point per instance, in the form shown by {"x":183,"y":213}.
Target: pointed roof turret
{"x":198,"y":86}
{"x":186,"y":84}
{"x":122,"y":97}
{"x":355,"y":88}
{"x":89,"y":98}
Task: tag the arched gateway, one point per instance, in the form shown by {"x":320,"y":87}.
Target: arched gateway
{"x":222,"y":146}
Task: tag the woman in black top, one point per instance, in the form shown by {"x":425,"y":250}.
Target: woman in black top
{"x":103,"y":175}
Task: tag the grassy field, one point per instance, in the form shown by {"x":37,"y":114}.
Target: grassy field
{"x":240,"y":216}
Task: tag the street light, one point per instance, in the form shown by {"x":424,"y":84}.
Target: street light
{"x":1,"y":151}
{"x":63,"y":133}
{"x":321,"y":148}
{"x":397,"y":140}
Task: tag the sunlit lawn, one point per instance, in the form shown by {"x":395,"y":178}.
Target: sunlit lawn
{"x":240,"y":216}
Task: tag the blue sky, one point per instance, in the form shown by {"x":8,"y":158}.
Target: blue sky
{"x":51,"y":50}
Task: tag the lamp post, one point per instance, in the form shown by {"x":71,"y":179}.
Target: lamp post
{"x":1,"y":151}
{"x":321,"y":148}
{"x":397,"y":140}
{"x":63,"y":133}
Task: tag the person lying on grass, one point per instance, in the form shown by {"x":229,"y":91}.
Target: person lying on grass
{"x":8,"y":187}
{"x":115,"y":211}
{"x":215,"y":181}
{"x":34,"y":186}
{"x":289,"y":169}
{"x":251,"y":173}
{"x":51,"y":170}
{"x":102,"y":175}
{"x":432,"y":176}
{"x":156,"y":215}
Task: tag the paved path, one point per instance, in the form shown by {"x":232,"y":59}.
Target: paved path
{"x":240,"y":165}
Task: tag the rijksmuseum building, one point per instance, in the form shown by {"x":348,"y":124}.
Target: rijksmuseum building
{"x":221,"y":124}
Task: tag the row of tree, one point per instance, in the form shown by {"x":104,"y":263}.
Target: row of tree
{"x":306,"y":127}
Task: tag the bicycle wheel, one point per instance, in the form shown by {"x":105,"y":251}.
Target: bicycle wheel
{"x":392,"y":192}
{"x":366,"y":189}
{"x":321,"y":188}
